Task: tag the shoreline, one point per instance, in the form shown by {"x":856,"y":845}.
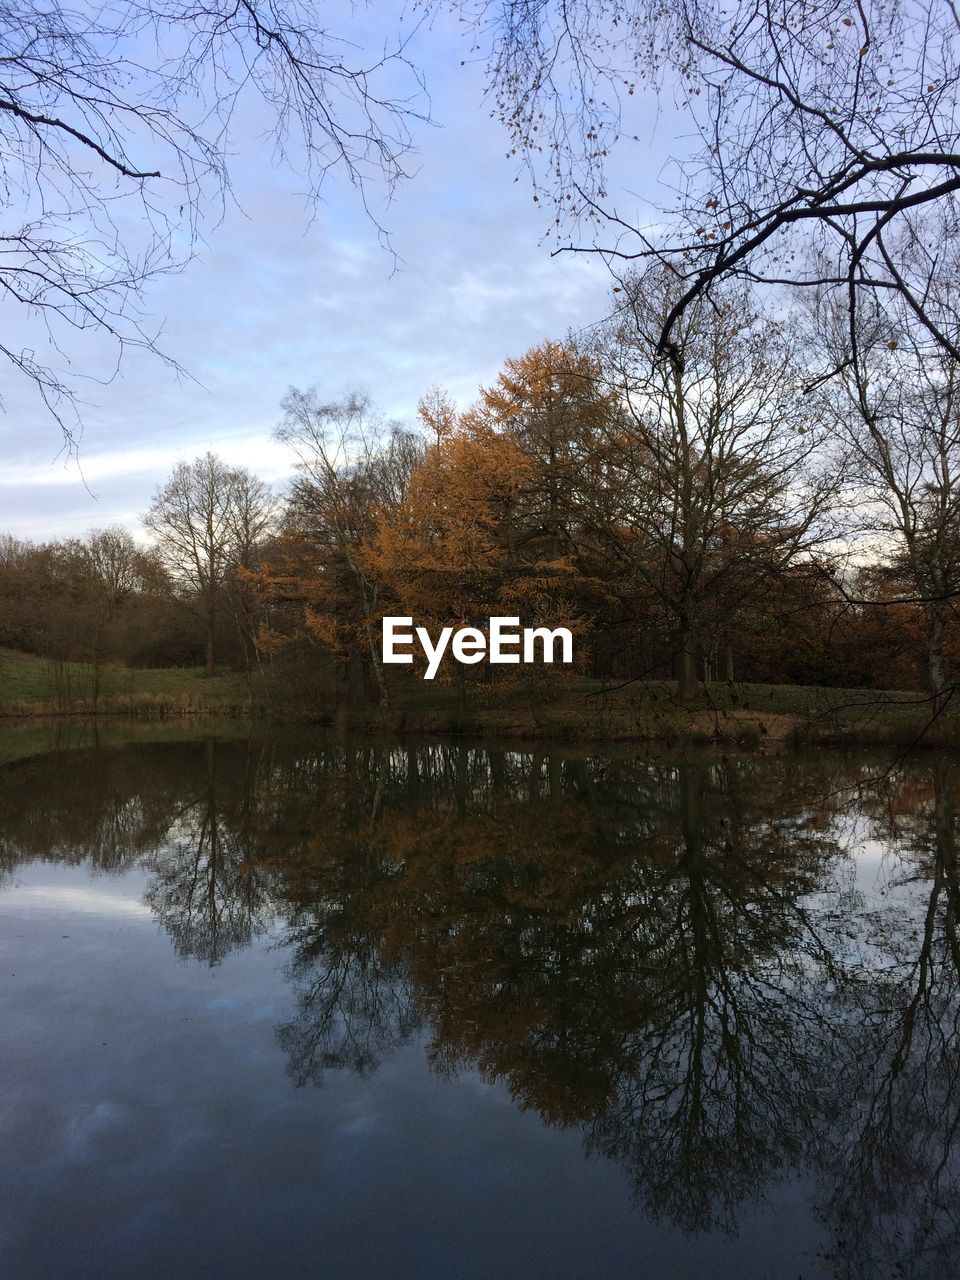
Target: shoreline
{"x":761,"y":730}
{"x":570,"y":711}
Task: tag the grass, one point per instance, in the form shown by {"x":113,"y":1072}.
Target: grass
{"x":749,"y":715}
{"x":37,"y":735}
{"x":31,"y":686}
{"x":571,"y":710}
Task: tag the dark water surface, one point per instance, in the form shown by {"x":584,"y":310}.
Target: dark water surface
{"x":333,"y":1008}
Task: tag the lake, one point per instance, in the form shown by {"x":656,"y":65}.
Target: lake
{"x":314,"y":1006}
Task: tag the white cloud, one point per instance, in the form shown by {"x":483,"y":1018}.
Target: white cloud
{"x":274,"y":302}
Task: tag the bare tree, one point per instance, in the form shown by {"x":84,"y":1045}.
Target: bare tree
{"x":115,"y":130}
{"x":116,"y":563}
{"x":711,"y":485}
{"x":253,"y":516}
{"x":896,"y":414}
{"x":835,"y":126}
{"x":204,"y":520}
{"x":828,"y":126}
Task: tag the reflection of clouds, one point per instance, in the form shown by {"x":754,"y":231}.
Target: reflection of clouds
{"x":89,"y":899}
{"x":89,"y":1124}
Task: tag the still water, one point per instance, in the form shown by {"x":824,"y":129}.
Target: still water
{"x":338,"y":1008}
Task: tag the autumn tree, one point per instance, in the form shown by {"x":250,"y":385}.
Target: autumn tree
{"x":555,"y":404}
{"x":205,"y":520}
{"x":437,"y":414}
{"x":490,"y":525}
{"x":444,"y":553}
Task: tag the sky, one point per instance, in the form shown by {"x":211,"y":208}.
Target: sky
{"x":274,"y":298}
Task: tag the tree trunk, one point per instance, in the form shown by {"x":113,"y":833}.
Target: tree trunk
{"x":728,"y":654}
{"x":686,"y":664}
{"x":376,"y":657}
{"x":211,"y":621}
{"x":936,"y":675}
{"x":686,"y":676}
{"x":376,"y":663}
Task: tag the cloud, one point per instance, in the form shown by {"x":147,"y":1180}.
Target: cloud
{"x":275,"y":300}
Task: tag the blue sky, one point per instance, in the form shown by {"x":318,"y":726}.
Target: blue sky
{"x":273,"y":299}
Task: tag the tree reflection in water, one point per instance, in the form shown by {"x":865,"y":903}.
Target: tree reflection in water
{"x":892,"y":1156}
{"x":669,"y":954}
{"x":206,"y":887}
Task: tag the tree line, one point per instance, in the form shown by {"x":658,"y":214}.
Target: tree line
{"x":177,"y":601}
{"x":712,"y":513}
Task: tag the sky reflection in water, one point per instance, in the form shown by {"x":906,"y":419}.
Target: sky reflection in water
{"x":549,"y":1014}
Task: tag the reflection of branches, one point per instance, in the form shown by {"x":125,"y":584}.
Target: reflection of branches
{"x":662,"y":955}
{"x":717,"y":1098}
{"x":618,"y":942}
{"x":206,"y":890}
{"x":97,"y":808}
{"x":671,"y":956}
{"x":897,"y":1166}
{"x":352,"y":1011}
{"x":718,"y":1085}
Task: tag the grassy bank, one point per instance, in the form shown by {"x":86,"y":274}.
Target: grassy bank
{"x":579,"y":710}
{"x":20,"y":739}
{"x":31,"y":686}
{"x":748,"y":715}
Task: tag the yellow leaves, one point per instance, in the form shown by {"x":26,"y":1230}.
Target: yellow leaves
{"x":551,"y":392}
{"x":441,"y":552}
{"x":271,"y":642}
{"x":479,"y":528}
{"x":322,"y":626}
{"x":437,"y":413}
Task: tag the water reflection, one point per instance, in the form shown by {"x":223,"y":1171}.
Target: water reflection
{"x":206,"y":887}
{"x":893,"y":1154}
{"x":673,"y":956}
